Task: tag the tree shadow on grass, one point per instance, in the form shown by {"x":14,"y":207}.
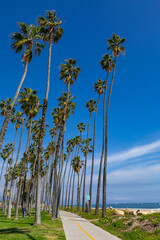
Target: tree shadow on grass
{"x":16,"y":231}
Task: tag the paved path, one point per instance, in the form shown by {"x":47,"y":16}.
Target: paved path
{"x":77,"y":228}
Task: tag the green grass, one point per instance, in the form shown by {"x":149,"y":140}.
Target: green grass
{"x":120,"y":227}
{"x":23,"y":229}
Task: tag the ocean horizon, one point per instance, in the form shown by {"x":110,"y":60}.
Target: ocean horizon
{"x":133,"y":205}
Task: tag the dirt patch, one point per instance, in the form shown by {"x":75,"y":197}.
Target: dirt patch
{"x":144,"y":225}
{"x":94,"y":220}
{"x":50,"y":237}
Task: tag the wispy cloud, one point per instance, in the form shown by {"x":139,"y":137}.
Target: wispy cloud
{"x":135,"y":152}
{"x":141,"y":174}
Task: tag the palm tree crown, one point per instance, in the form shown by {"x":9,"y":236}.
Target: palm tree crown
{"x":81,"y":127}
{"x":6,"y":105}
{"x":77,"y":164}
{"x":115,"y":44}
{"x":91,"y":105}
{"x":99,"y":86}
{"x":27,"y":39}
{"x":107,"y":62}
{"x":68,"y":71}
{"x":50,"y":27}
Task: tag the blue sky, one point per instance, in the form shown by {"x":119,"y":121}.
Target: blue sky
{"x":134,"y":115}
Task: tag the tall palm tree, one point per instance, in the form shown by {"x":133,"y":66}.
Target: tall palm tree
{"x":32,"y":109}
{"x":106,"y":63}
{"x":77,"y":164}
{"x":69,"y":150}
{"x":99,"y":88}
{"x":6,"y":151}
{"x":69,"y":110}
{"x":115,"y":46}
{"x":30,"y":105}
{"x":69,"y":72}
{"x":7,"y":176}
{"x":91,"y":107}
{"x":16,"y":118}
{"x":27,"y":39}
{"x":51,"y":33}
{"x":72,"y":143}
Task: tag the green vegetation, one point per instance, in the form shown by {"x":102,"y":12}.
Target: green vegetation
{"x":23,"y":228}
{"x":127,"y":227}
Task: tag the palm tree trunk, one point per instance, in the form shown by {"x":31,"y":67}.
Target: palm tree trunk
{"x":51,"y":175}
{"x":78,"y":195}
{"x":94,"y":135}
{"x":46,"y":195}
{"x":68,"y":182}
{"x":26,"y":160}
{"x":60,"y":177}
{"x":7,"y":177}
{"x":30,"y":195}
{"x":72,"y":190}
{"x":61,"y":134}
{"x":40,"y":143}
{"x":106,"y":145}
{"x":12,"y":179}
{"x":15,"y":166}
{"x":18,"y":198}
{"x":64,"y":179}
{"x":43,"y":188}
{"x":85,"y":166}
{"x":2,"y":169}
{"x":5,"y":196}
{"x":8,"y":114}
{"x":70,"y":185}
{"x":102,"y":153}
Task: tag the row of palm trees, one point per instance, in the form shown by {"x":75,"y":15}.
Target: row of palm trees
{"x":44,"y":176}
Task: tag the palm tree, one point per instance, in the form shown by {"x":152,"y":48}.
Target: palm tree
{"x":7,"y":175}
{"x":16,"y":118}
{"x":51,"y":33}
{"x":69,"y":150}
{"x":69,"y":110}
{"x":72,"y":144}
{"x":99,"y":88}
{"x":69,"y":72}
{"x":30,"y":105}
{"x":91,"y":107}
{"x":77,"y":164}
{"x":33,"y":158}
{"x":81,"y":127}
{"x":115,"y":46}
{"x":6,"y":151}
{"x":25,"y":39}
{"x":106,"y":63}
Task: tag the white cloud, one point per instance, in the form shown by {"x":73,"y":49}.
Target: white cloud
{"x":138,"y":175}
{"x":135,"y":152}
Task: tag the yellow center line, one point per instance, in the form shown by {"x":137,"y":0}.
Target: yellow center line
{"x":80,"y":227}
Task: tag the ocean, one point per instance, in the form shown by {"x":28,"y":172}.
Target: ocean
{"x":134,"y":205}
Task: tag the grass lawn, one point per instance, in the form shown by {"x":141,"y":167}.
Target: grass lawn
{"x":146,"y":227}
{"x":23,"y":229}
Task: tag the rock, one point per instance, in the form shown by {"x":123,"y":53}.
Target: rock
{"x":110,"y":208}
{"x":119,"y":212}
{"x":145,"y":212}
{"x":128,"y":210}
{"x":133,"y":212}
